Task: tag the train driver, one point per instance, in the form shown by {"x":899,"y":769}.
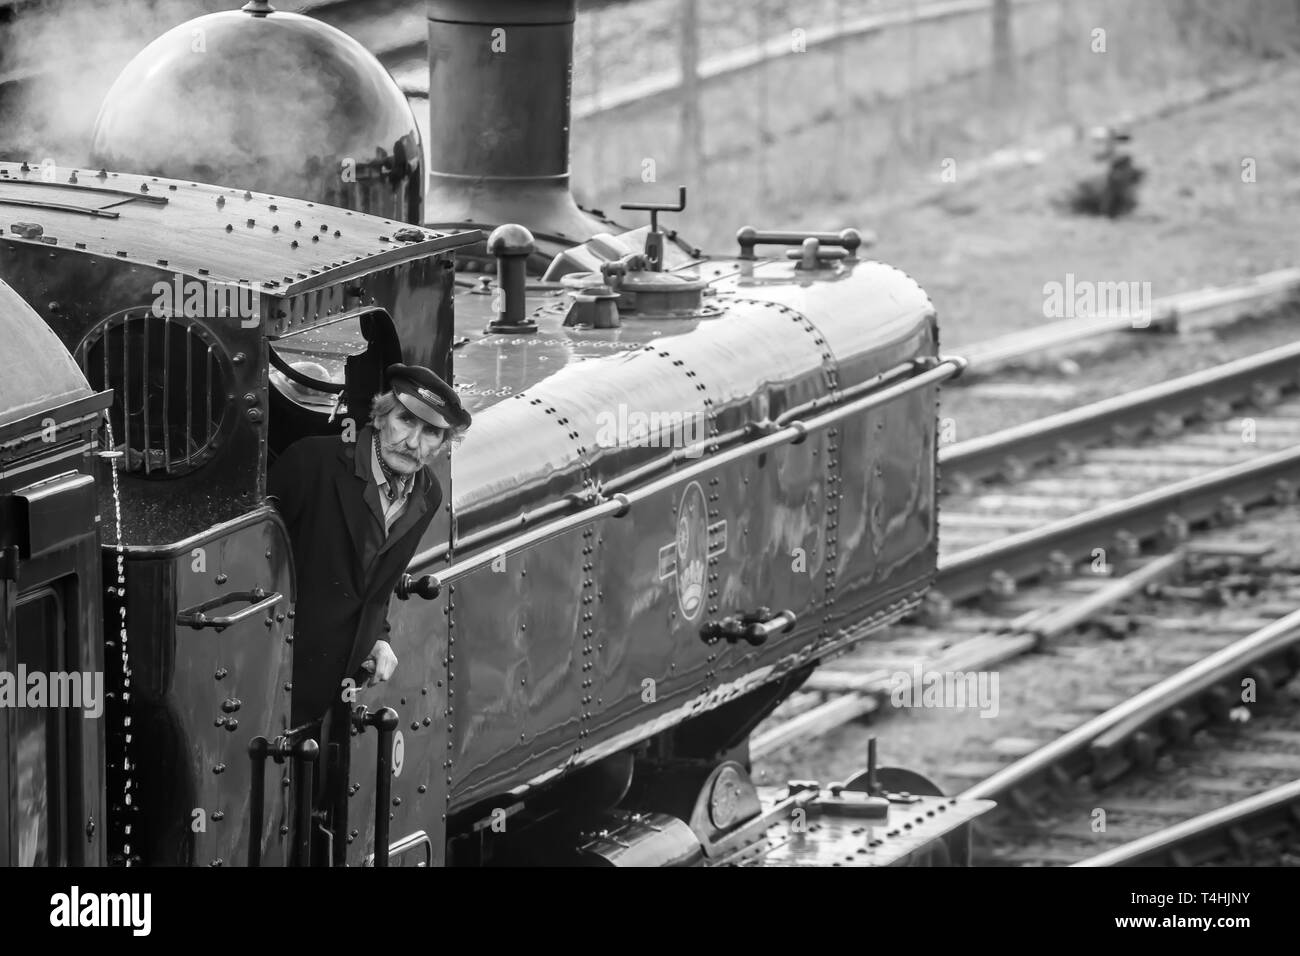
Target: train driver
{"x":356,"y":511}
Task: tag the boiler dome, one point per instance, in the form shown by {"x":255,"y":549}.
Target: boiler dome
{"x":274,"y":102}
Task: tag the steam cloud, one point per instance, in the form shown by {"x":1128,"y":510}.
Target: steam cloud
{"x":59,"y":57}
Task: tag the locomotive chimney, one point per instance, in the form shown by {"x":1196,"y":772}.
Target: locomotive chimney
{"x":500,"y":74}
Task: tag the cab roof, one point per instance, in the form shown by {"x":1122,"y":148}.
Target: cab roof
{"x":224,"y":233}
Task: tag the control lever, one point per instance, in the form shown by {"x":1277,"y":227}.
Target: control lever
{"x":754,"y":627}
{"x":385,"y":719}
{"x":654,"y":239}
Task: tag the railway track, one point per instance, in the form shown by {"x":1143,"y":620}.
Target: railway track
{"x":1120,"y":473}
{"x":1196,"y":311}
{"x":1230,"y":831}
{"x":1085,"y":770}
{"x":1146,"y":781}
{"x":1068,"y":504}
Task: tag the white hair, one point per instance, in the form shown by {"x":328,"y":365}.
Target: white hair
{"x":384,"y":403}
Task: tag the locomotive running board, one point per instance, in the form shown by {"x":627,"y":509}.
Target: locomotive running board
{"x":816,"y":827}
{"x":799,"y":825}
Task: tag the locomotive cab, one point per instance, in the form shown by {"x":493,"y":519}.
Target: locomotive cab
{"x":225,"y":325}
{"x":321,"y":384}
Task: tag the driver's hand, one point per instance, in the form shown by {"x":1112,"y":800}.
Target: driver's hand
{"x":380,"y":664}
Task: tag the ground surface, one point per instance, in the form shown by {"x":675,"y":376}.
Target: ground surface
{"x":985,"y":250}
{"x":1136,"y":360}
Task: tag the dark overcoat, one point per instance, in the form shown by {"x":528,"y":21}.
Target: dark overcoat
{"x":346,"y":568}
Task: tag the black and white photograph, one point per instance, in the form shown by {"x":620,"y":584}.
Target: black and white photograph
{"x":651,"y":433}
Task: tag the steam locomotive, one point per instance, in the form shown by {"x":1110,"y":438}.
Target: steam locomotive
{"x":690,"y":479}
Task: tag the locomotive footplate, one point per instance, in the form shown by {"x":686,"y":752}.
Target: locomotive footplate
{"x":806,"y":825}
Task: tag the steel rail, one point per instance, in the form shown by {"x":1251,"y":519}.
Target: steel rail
{"x":1094,"y":741}
{"x":1199,"y":308}
{"x":813,"y":723}
{"x":854,"y":695}
{"x":1009,"y":452}
{"x":1206,"y":836}
{"x":1029,"y":553}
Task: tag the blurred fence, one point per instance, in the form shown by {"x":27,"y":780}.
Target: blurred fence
{"x":761,"y":105}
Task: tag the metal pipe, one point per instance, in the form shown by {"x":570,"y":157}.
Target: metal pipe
{"x":387,"y":723}
{"x":103,"y":383}
{"x":208,"y":430}
{"x":710,"y":446}
{"x":258,"y":748}
{"x":305,"y":754}
{"x":146,"y":440}
{"x":189,"y":394}
{"x":749,"y":238}
{"x":126,"y":389}
{"x":166,"y":403}
{"x":385,"y":720}
{"x":792,"y":433}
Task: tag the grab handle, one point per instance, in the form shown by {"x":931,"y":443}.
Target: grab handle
{"x":197,"y":616}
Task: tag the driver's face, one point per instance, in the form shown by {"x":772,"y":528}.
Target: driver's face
{"x":407,"y":443}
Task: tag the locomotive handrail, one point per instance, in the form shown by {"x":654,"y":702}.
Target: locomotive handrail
{"x":847,"y":239}
{"x":171,"y":549}
{"x":293,"y":375}
{"x":196,"y":617}
{"x":746,"y":432}
{"x":385,"y":721}
{"x":305,"y":753}
{"x":709,"y":446}
{"x":777,"y":433}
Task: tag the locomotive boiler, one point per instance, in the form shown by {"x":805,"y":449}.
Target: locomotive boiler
{"x":689,"y":480}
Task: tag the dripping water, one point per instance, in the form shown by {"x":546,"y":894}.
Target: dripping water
{"x":118,"y":591}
